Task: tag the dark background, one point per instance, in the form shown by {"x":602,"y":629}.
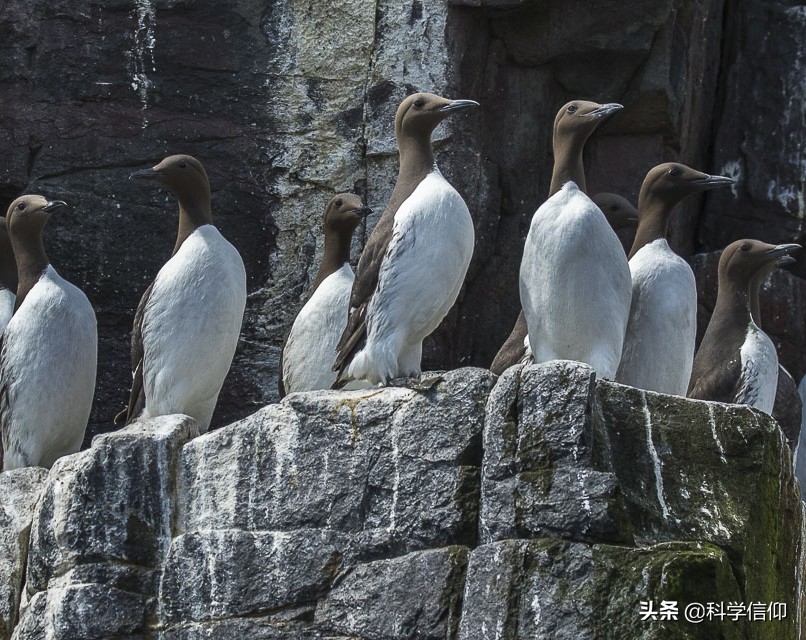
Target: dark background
{"x":286,"y":103}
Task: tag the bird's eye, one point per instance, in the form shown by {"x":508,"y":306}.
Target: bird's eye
{"x":745,"y":247}
{"x":21,"y":206}
{"x":674,"y":171}
{"x":572,"y":108}
{"x":339,"y":203}
{"x":183,"y":164}
{"x":613,"y":207}
{"x":419,"y":103}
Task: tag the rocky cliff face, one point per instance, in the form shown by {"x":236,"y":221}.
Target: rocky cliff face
{"x":289,"y":102}
{"x":546,"y":505}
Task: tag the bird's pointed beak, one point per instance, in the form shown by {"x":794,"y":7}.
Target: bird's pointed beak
{"x":145,"y":174}
{"x":362,"y":212}
{"x":605,"y":111}
{"x":782,"y":253}
{"x":457,"y":105}
{"x":51,"y":206}
{"x":713,"y":182}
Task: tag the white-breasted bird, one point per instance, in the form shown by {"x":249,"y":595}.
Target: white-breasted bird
{"x":49,"y":350}
{"x":188,"y":321}
{"x":574,"y":277}
{"x":415,"y":260}
{"x":737,"y":362}
{"x":307,"y":359}
{"x":659,"y":345}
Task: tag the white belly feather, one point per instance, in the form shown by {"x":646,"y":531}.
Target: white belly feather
{"x":191,"y":326}
{"x":658,"y":349}
{"x":311,"y":346}
{"x":575,"y":284}
{"x":419,"y":280}
{"x":758,"y":380}
{"x":49,"y":359}
{"x":7,"y":299}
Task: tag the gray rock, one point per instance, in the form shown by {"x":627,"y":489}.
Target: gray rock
{"x":605,"y":463}
{"x":414,"y":596}
{"x":547,"y":589}
{"x":538,"y":477}
{"x":397,"y":469}
{"x":105,"y":517}
{"x":19,"y":493}
{"x":344,"y":515}
{"x":213,"y":575}
{"x":692,"y":470}
{"x":82,"y":612}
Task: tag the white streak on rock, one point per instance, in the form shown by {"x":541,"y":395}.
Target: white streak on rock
{"x":395,"y":437}
{"x":654,"y":455}
{"x":142,"y":55}
{"x":733,"y":169}
{"x":712,"y":422}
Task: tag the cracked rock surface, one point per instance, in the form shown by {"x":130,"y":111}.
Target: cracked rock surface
{"x":543,"y":505}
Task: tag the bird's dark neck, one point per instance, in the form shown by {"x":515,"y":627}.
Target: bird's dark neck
{"x":653,"y":222}
{"x":568,"y":165}
{"x":733,"y":303}
{"x":31,"y":264}
{"x":416,"y":162}
{"x":193,"y":213}
{"x":336,"y":255}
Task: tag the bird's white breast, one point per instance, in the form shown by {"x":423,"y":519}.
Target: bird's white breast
{"x":658,"y":348}
{"x":575,"y":283}
{"x":311,"y":346}
{"x":7,"y":299}
{"x":48,"y":364}
{"x":191,"y":326}
{"x":759,"y":376}
{"x":419,"y":279}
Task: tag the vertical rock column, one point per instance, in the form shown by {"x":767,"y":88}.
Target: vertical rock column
{"x":100,"y":532}
{"x":19,"y":493}
{"x":596,"y":497}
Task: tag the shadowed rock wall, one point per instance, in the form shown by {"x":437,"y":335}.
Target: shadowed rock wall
{"x":288,"y":102}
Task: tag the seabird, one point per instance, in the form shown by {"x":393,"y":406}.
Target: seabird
{"x":49,"y":350}
{"x":659,"y":345}
{"x":307,"y":359}
{"x":736,"y":361}
{"x":8,"y":276}
{"x":415,"y":260}
{"x":573,"y":125}
{"x":187,"y":323}
{"x":621,"y":215}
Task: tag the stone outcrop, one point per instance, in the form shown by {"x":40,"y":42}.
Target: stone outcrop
{"x":546,"y":505}
{"x":19,"y":492}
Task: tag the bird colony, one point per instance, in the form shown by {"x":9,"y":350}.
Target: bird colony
{"x":628,"y":312}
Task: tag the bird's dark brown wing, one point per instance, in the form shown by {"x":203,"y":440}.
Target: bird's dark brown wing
{"x":366,"y":280}
{"x":718,"y":383}
{"x":137,"y":399}
{"x":513,"y":350}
